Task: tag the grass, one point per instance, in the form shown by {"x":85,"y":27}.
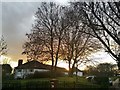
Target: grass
{"x":66,"y":78}
{"x":63,"y":82}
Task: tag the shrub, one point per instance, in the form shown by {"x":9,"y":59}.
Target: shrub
{"x":39,"y":75}
{"x":37,"y":84}
{"x":44,"y":75}
{"x":11,"y":85}
{"x":103,"y":81}
{"x":58,"y":74}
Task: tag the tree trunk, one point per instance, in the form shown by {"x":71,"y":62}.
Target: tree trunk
{"x":69,"y":62}
{"x":57,"y":53}
{"x":72,"y":69}
{"x":118,"y":63}
{"x":52,"y":51}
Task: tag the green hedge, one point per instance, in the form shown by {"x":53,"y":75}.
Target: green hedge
{"x":38,"y":84}
{"x":38,"y":75}
{"x":44,"y":75}
{"x":103,"y":81}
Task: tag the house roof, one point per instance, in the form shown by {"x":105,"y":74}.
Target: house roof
{"x":37,"y":65}
{"x":32,"y":65}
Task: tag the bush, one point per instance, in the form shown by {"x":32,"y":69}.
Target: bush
{"x":58,"y":74}
{"x":37,"y":84}
{"x":11,"y":85}
{"x":39,"y":75}
{"x":9,"y":77}
{"x":103,"y":81}
{"x":48,"y":74}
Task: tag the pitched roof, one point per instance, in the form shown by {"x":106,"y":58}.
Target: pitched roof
{"x":32,"y":65}
{"x":37,"y":65}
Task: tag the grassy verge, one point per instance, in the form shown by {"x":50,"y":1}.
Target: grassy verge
{"x":63,"y":82}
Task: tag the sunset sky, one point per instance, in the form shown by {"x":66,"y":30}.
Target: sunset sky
{"x":17,"y":19}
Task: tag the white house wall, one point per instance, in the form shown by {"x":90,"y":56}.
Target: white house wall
{"x":41,"y":70}
{"x":78,"y":73}
{"x":18,"y":74}
{"x":25,"y":72}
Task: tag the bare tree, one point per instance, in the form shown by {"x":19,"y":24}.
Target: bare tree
{"x":77,"y":45}
{"x":103,"y":20}
{"x":57,"y":34}
{"x":47,"y":33}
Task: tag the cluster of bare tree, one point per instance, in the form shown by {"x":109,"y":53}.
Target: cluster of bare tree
{"x":103,"y":19}
{"x":73,"y":32}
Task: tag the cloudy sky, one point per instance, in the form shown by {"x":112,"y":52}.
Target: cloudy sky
{"x":17,"y":19}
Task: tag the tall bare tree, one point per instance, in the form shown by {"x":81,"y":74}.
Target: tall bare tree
{"x":47,"y":33}
{"x":57,"y":34}
{"x":103,"y":20}
{"x":77,"y":44}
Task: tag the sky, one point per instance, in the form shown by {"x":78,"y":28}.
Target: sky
{"x":17,"y":19}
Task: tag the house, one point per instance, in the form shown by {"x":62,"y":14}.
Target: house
{"x":23,"y":70}
{"x":76,"y":72}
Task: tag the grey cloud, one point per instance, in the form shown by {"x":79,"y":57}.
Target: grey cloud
{"x":16,"y":16}
{"x":16,"y":21}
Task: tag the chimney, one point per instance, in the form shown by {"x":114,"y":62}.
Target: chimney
{"x":20,"y":62}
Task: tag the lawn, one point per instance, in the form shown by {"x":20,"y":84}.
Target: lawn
{"x":60,"y":79}
{"x":63,"y":82}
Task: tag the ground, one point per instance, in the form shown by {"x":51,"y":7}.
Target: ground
{"x":63,"y":82}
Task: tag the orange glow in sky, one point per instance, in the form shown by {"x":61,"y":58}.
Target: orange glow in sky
{"x":7,"y":60}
